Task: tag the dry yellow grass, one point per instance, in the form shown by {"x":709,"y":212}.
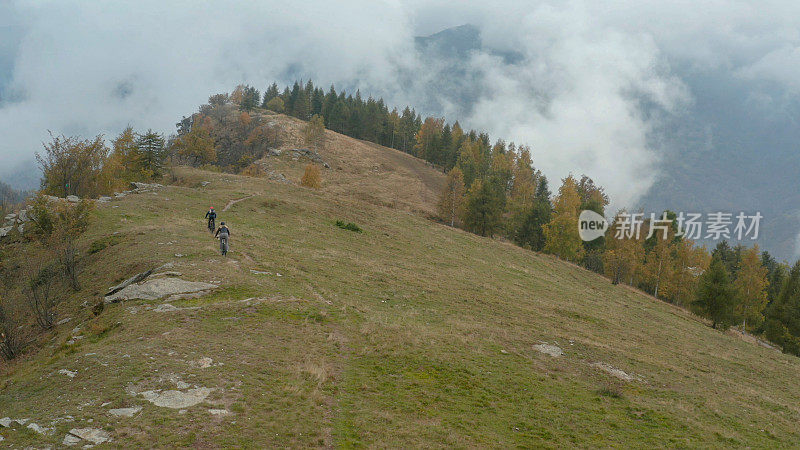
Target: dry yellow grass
{"x":408,"y":334}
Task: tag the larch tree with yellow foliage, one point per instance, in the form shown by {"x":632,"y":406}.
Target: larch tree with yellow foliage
{"x":624,"y":253}
{"x":689,"y":262}
{"x":314,"y":132}
{"x":751,"y":289}
{"x":658,"y":265}
{"x":452,"y":199}
{"x":561,"y":233}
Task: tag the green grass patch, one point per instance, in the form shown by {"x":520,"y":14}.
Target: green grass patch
{"x":349,"y":226}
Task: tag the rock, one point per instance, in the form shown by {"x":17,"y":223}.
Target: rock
{"x":182,"y":385}
{"x":70,"y":440}
{"x":134,"y":279}
{"x":40,"y":430}
{"x":158,"y":288}
{"x":125,"y":412}
{"x":219,"y":412}
{"x":552,"y":350}
{"x":611,"y":370}
{"x":177,"y":399}
{"x":10,"y":217}
{"x":5,"y":230}
{"x":21,"y":421}
{"x":68,"y":373}
{"x":5,"y":422}
{"x":165,"y":307}
{"x":205,"y":183}
{"x":63,"y":321}
{"x":204,"y":362}
{"x":93,"y":435}
{"x":119,"y":194}
{"x":104,"y":199}
{"x":73,"y":198}
{"x":136,"y":185}
{"x":23,"y":215}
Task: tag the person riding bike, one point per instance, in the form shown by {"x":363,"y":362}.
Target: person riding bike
{"x":223,"y":233}
{"x":211,"y":215}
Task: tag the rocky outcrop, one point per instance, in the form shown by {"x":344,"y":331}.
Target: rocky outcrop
{"x":159,"y":288}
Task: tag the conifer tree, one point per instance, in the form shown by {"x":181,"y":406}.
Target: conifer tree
{"x":151,"y":146}
{"x":715,"y":297}
{"x":483,"y":209}
{"x":783,"y":315}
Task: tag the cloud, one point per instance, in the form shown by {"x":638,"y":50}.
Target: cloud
{"x":594,"y":82}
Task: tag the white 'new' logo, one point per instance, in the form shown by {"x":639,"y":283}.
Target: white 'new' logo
{"x":591,"y":225}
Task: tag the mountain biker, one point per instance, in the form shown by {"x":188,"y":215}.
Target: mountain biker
{"x":224,"y":233}
{"x":211,"y":215}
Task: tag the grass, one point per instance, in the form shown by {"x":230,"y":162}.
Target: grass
{"x":349,"y":226}
{"x":411,"y":335}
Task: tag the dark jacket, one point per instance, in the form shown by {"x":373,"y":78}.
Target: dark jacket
{"x":211,"y":214}
{"x":223,"y":231}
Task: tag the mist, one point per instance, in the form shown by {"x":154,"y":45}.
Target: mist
{"x":592,"y":90}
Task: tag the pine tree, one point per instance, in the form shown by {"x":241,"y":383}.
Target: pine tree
{"x":452,"y":198}
{"x":715,"y":296}
{"x":151,"y":146}
{"x":484,"y":207}
{"x":561,"y":233}
{"x":269,"y":94}
{"x":783,"y":315}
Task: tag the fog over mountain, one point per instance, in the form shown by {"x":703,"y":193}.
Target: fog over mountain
{"x":688,"y":106}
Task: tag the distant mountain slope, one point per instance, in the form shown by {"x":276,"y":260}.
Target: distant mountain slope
{"x":733,"y":149}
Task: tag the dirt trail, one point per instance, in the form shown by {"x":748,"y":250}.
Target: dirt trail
{"x":233,"y":202}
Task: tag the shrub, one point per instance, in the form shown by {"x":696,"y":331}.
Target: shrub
{"x":275,"y":104}
{"x":312,"y":177}
{"x":348,"y":226}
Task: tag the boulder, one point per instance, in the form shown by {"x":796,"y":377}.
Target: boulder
{"x":138,"y":186}
{"x":5,"y":230}
{"x":177,"y":399}
{"x":104,"y":199}
{"x":125,"y":412}
{"x":10,"y":217}
{"x":73,"y":198}
{"x":93,"y":435}
{"x":158,"y":288}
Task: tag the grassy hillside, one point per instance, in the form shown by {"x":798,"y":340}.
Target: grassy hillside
{"x":409,"y":334}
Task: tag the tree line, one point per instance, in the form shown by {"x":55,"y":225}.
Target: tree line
{"x":493,"y":189}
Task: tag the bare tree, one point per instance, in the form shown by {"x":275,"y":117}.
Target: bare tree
{"x":11,"y":340}
{"x":41,"y":290}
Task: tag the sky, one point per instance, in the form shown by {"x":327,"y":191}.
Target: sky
{"x":595,"y":87}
